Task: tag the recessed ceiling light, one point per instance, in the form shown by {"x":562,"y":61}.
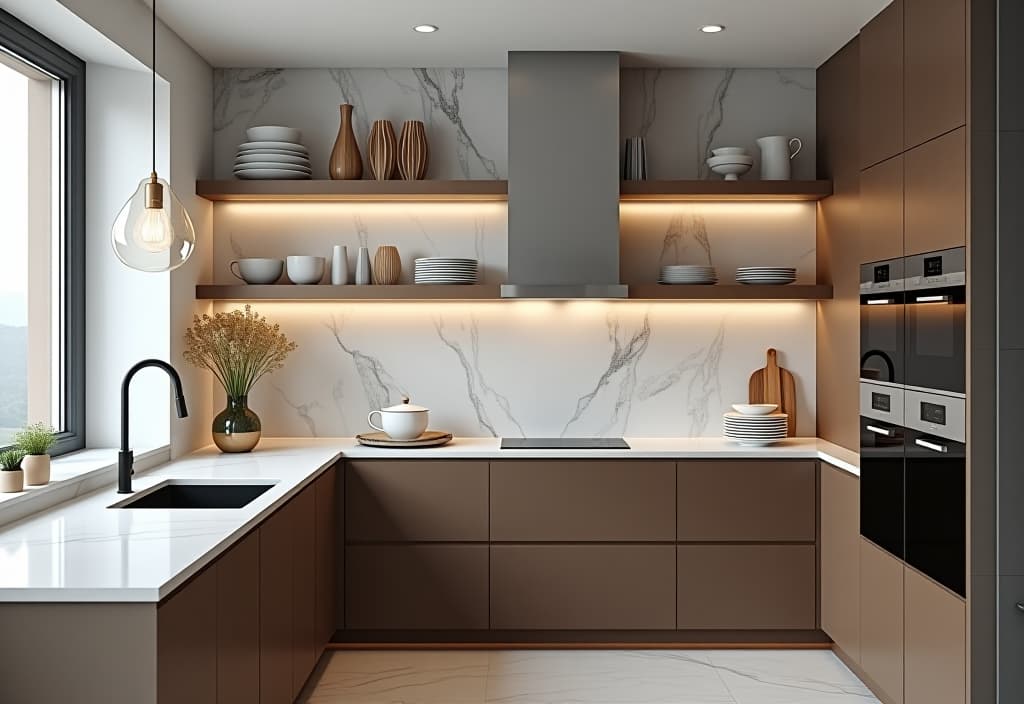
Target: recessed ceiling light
{"x":712,"y":28}
{"x":425,"y":28}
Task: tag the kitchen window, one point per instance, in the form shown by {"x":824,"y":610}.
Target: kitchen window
{"x":42,"y":235}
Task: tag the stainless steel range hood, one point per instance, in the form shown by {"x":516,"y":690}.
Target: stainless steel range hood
{"x":563,"y":173}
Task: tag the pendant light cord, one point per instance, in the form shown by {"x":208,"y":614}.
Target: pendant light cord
{"x":153,"y":59}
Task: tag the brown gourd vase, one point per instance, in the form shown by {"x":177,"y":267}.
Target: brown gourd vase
{"x":382,"y":150}
{"x":413,"y":152}
{"x":346,"y":161}
{"x":387,"y":266}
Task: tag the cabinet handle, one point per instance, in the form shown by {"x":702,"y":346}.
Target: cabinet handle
{"x":931,"y":445}
{"x":1020,"y":606}
{"x":887,"y":432}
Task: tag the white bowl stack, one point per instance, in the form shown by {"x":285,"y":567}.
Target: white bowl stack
{"x":755,"y":430}
{"x":730,"y":162}
{"x":445,"y":270}
{"x":273,"y":152}
{"x":688,"y":274}
{"x":766,"y":275}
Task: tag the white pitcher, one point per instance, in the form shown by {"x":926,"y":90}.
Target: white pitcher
{"x":776,"y":153}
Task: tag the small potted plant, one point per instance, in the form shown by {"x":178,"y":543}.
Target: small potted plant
{"x":12,"y":479}
{"x":35,"y":441}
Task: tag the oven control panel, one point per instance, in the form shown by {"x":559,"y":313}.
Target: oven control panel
{"x":941,"y":269}
{"x":879,"y":277}
{"x":936,"y":414}
{"x":882,"y":402}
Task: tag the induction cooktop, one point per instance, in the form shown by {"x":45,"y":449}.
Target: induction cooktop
{"x":564,"y":444}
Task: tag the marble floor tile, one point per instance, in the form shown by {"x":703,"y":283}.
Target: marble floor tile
{"x":789,"y":677}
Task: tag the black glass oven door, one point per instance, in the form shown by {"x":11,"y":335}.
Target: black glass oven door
{"x":881,"y":337}
{"x":937,"y":339}
{"x":881,"y":484}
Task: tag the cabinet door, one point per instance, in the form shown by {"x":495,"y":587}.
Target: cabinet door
{"x":238,"y":623}
{"x":746,"y":586}
{"x":304,"y":645}
{"x":935,"y":68}
{"x":326,"y":545}
{"x":187,"y":643}
{"x":840,"y":558}
{"x":276,"y":594}
{"x":881,"y":620}
{"x":582,"y":587}
{"x":582,"y":501}
{"x":427,"y":500}
{"x":881,"y":86}
{"x":881,"y":211}
{"x":936,"y":194}
{"x":936,"y":643}
{"x":416,"y":587}
{"x":751,"y":501}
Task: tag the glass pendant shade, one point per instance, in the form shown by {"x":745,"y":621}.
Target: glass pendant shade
{"x":153,"y":232}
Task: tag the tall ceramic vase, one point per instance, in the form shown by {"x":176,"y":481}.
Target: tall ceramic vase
{"x":387,"y":265}
{"x":413,"y":152}
{"x":382,"y":150}
{"x":346,"y":162}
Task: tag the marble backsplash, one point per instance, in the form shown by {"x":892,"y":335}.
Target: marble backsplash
{"x":681,"y":112}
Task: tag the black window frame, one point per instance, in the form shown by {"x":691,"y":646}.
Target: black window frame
{"x":22,"y":42}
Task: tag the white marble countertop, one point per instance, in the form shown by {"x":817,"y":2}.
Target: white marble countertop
{"x":82,"y":550}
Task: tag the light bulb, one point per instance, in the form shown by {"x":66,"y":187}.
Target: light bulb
{"x":153,"y":231}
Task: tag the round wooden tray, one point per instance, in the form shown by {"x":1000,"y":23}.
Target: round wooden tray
{"x":431,"y":438}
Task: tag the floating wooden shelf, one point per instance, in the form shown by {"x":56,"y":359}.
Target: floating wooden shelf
{"x":492,"y":292}
{"x":364,"y":190}
{"x":721,"y":190}
{"x":494,"y":190}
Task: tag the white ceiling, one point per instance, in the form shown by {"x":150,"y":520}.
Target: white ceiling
{"x":478,"y":33}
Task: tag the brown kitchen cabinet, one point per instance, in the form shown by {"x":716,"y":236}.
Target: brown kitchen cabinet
{"x":935,"y":194}
{"x":881,"y":211}
{"x":578,"y":587}
{"x":935,"y":657}
{"x":747,"y":500}
{"x":881,"y":620}
{"x":934,"y":68}
{"x":582,"y":501}
{"x":304,"y":632}
{"x":419,"y":500}
{"x":187,"y":642}
{"x":327,"y":546}
{"x":746,"y":587}
{"x":881,"y":86}
{"x":238,"y":623}
{"x":277,"y":591}
{"x":840,"y":559}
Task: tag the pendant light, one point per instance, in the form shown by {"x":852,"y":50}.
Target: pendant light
{"x":153,"y":232}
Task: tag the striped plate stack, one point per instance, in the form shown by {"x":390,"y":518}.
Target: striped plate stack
{"x":445,"y":270}
{"x":755,"y":431}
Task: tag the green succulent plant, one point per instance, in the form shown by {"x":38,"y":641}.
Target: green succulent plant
{"x":35,"y":439}
{"x":10,"y":460}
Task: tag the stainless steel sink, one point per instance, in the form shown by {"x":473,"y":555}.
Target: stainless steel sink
{"x":197,"y":494}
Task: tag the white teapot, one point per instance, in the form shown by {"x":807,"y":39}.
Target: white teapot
{"x":405,"y":421}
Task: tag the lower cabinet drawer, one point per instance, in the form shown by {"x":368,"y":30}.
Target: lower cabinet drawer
{"x":604,"y":587}
{"x":416,"y":586}
{"x":747,"y":586}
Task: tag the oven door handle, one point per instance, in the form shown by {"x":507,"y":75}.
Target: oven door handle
{"x":928,"y":445}
{"x":886,"y":432}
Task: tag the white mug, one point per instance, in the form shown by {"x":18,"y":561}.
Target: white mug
{"x":305,"y":270}
{"x":257,"y":271}
{"x":399,"y":425}
{"x":776,"y":153}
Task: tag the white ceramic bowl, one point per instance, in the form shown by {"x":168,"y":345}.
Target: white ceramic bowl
{"x":274,"y":133}
{"x":257,"y":271}
{"x":731,"y":172}
{"x":754,"y":409}
{"x":730,"y":159}
{"x":722,"y":151}
{"x":305,"y":270}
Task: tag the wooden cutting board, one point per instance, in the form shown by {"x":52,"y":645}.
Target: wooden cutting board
{"x":773,"y":384}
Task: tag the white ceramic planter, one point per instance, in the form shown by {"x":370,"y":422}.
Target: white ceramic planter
{"x":12,"y":482}
{"x":36,"y":469}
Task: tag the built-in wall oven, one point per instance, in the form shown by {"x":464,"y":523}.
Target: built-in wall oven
{"x":936,"y":320}
{"x":882,"y":323}
{"x":882,"y":467}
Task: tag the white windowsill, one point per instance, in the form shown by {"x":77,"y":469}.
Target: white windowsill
{"x":73,"y":475}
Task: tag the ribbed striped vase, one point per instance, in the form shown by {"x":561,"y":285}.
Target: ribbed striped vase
{"x":413,"y":153}
{"x":382,"y":150}
{"x":387,"y":266}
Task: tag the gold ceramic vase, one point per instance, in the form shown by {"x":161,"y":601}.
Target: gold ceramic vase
{"x":382,"y":150}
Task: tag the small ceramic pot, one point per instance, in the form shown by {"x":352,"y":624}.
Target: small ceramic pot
{"x":11,"y":482}
{"x":402,"y":422}
{"x":36,"y":469}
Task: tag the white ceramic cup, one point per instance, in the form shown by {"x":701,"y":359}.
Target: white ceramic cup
{"x":305,"y":270}
{"x":400,"y":425}
{"x":776,"y":153}
{"x":257,"y":271}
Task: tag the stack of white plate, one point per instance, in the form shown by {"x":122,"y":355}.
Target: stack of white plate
{"x":766,"y":275}
{"x":755,"y":430}
{"x":688,"y":274}
{"x":273,"y":153}
{"x":445,"y":270}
